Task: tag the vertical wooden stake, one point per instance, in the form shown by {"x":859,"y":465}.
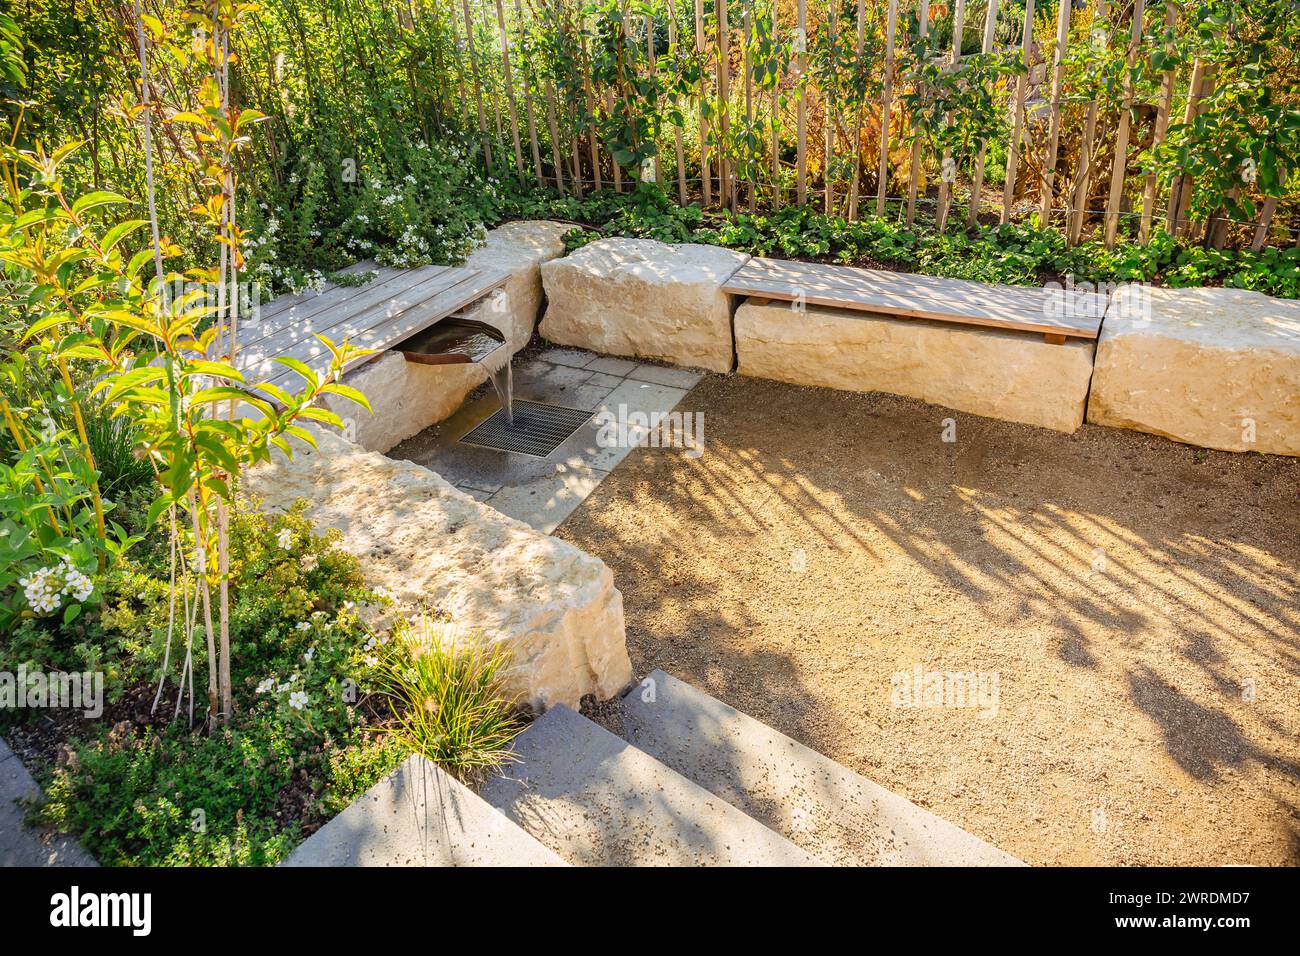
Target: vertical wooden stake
{"x":1181,"y":194}
{"x":508,"y":80}
{"x":492,"y":93}
{"x":977,"y":174}
{"x":677,"y":130}
{"x":706,"y":173}
{"x":828,"y":125}
{"x":749,"y":100}
{"x":478,"y":87}
{"x":1054,"y":123}
{"x":1074,"y":225}
{"x":1266,"y":212}
{"x":945,"y":187}
{"x":887,"y":94}
{"x":460,"y":67}
{"x":651,"y":68}
{"x":555,"y":140}
{"x":923,"y":23}
{"x":776,"y":121}
{"x":618,"y":171}
{"x":859,"y":46}
{"x":801,"y":101}
{"x":528,"y":103}
{"x":591,"y":112}
{"x":726,"y":178}
{"x":1119,"y":165}
{"x":1018,"y":114}
{"x":1162,"y":126}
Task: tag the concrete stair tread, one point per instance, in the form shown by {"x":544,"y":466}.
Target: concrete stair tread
{"x":420,"y":815}
{"x":596,"y":800}
{"x":832,"y":812}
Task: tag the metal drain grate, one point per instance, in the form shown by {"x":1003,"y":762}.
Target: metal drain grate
{"x":537,"y":429}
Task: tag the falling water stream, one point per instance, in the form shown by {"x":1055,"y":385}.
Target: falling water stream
{"x":503,"y":383}
{"x":453,"y":338}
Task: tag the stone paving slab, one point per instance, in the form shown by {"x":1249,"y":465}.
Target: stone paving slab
{"x":664,"y":375}
{"x":614,"y":366}
{"x":542,"y":492}
{"x":546,"y":501}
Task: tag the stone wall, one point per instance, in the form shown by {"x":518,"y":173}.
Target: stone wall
{"x":433,"y":546}
{"x":1213,"y":367}
{"x":408,"y":397}
{"x":1015,"y":376}
{"x":644,"y":299}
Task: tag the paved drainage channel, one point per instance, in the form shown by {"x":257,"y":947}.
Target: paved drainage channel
{"x":537,"y":430}
{"x":544,"y":464}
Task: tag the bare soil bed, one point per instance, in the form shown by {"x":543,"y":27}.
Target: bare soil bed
{"x":1138,"y":601}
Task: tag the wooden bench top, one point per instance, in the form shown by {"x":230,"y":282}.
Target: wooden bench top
{"x":1055,"y":313}
{"x":392,"y":306}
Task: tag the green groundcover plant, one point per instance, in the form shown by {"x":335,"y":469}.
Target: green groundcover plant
{"x":139,"y":786}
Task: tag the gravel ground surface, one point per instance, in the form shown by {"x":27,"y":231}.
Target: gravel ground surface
{"x":1137,"y":602}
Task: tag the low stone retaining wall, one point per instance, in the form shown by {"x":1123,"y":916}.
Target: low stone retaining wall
{"x":433,"y":546}
{"x":1014,"y":376}
{"x":1213,"y":367}
{"x":644,"y":299}
{"x":408,"y":397}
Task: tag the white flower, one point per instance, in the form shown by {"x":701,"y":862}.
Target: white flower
{"x":371,"y":660}
{"x":285,"y":539}
{"x":298,"y":699}
{"x":302,"y":626}
{"x":309,"y":654}
{"x":42,"y":590}
{"x":266,"y":685}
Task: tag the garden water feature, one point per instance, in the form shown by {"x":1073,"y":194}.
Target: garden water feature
{"x":458,"y":341}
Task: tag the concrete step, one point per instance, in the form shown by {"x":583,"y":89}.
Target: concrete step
{"x":420,"y":815}
{"x":820,"y":805}
{"x":597,"y":801}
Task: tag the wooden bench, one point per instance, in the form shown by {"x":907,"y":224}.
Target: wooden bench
{"x":1059,"y":314}
{"x":391,"y":307}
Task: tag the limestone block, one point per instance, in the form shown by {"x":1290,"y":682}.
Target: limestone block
{"x":1015,"y":376}
{"x":1213,"y":367}
{"x":555,"y":607}
{"x":642,"y":298}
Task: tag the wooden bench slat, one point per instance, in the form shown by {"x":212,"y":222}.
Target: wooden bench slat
{"x":393,"y":280}
{"x":861,"y":281}
{"x":929,"y":286}
{"x":282,"y":303}
{"x":892,"y":281}
{"x":384,"y":325}
{"x":394,"y":295}
{"x":945,"y":300}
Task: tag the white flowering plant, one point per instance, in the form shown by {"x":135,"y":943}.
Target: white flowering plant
{"x":422,"y":204}
{"x":51,"y":544}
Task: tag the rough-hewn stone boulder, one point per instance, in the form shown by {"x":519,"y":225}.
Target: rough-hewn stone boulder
{"x":642,"y":298}
{"x":431,"y":545}
{"x":1015,"y":376}
{"x":1213,"y":367}
{"x":408,"y":397}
